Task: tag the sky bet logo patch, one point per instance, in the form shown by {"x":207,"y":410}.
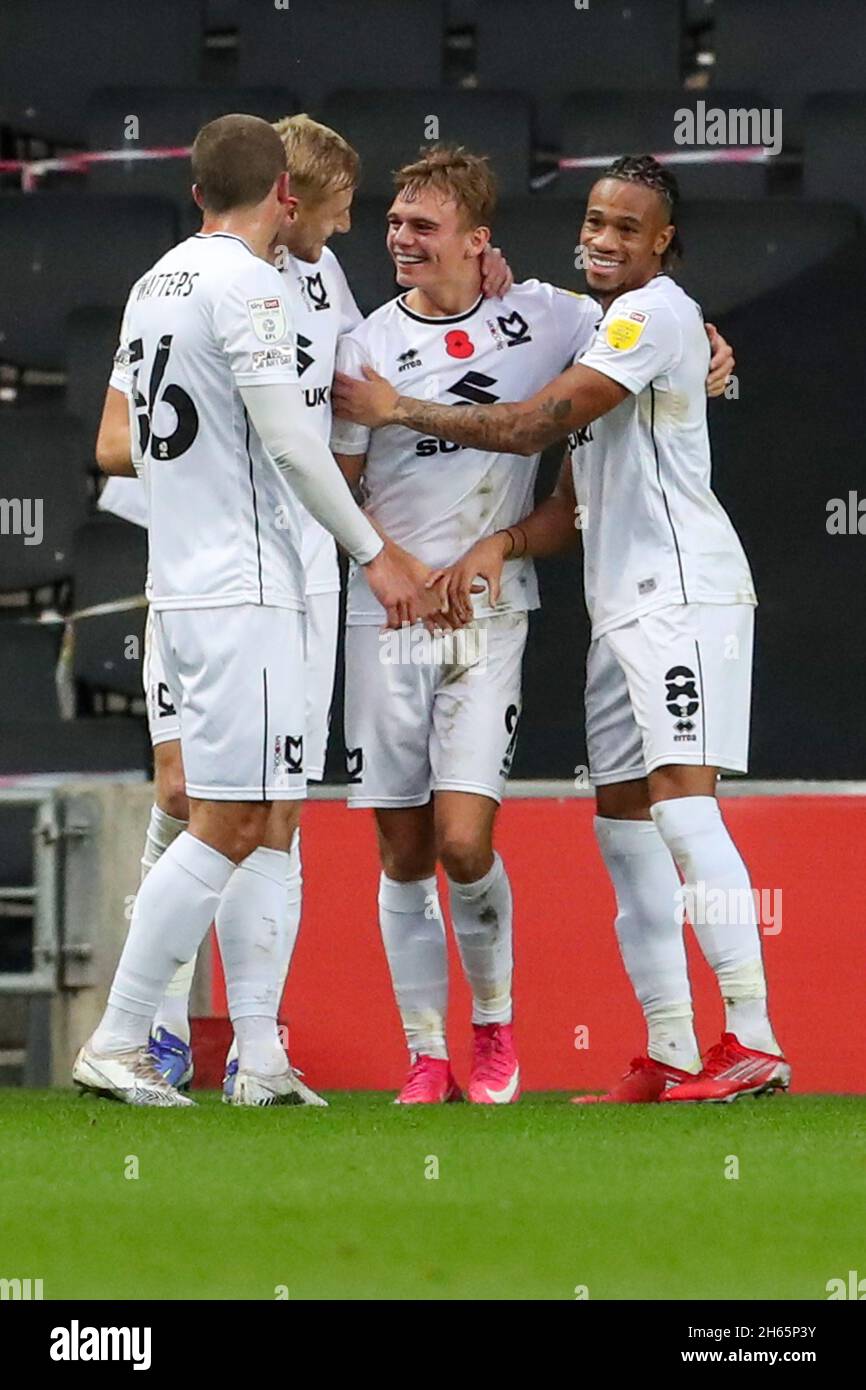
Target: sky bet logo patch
{"x":624,"y":332}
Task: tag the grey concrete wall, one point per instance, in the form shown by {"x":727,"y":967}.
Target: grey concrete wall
{"x":103,"y":874}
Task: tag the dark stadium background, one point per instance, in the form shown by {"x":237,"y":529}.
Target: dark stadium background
{"x":774,"y":253}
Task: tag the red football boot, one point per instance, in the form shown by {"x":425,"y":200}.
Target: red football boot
{"x":731,"y":1070}
{"x":495,"y":1078}
{"x":644,"y":1083}
{"x":430,"y":1082}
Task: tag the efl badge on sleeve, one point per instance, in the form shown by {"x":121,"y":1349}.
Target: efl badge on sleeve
{"x":268,"y":317}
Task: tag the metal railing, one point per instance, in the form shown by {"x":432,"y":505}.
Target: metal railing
{"x":39,"y":900}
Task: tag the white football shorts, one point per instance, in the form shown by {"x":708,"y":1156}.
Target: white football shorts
{"x":322,"y":625}
{"x":236,"y":678}
{"x":424,"y":714}
{"x":323,"y":622}
{"x":162,"y":719}
{"x":674,"y":686}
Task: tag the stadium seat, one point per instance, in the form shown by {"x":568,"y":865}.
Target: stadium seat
{"x":836,"y":126}
{"x":604,"y":123}
{"x":55,"y":53}
{"x":318,"y":46}
{"x":551,"y":49}
{"x":738,"y":251}
{"x":110,"y":562}
{"x":363,"y":255}
{"x":388,"y":127}
{"x":798,"y":45}
{"x":64,"y":250}
{"x":166,"y":117}
{"x":539,"y":237}
{"x":44,"y":497}
{"x":791,"y":49}
{"x":28,"y":659}
{"x":109,"y":744}
{"x":91,"y":341}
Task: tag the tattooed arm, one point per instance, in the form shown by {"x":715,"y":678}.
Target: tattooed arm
{"x":572,"y":400}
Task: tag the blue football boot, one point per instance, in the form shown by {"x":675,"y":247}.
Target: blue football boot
{"x":173,"y":1058}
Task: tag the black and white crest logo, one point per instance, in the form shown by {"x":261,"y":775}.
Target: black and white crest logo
{"x":681,"y":697}
{"x":317,"y":292}
{"x":293,"y":753}
{"x":354,"y":764}
{"x":164,"y":701}
{"x":472,"y":387}
{"x":512,"y":714}
{"x":515,"y":328}
{"x":304,"y":358}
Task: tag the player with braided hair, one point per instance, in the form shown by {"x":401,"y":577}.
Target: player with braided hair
{"x":671,"y":601}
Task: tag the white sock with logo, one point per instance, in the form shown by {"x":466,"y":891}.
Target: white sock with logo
{"x":253,"y":930}
{"x":173,"y":909}
{"x":413,"y":935}
{"x":721,"y":907}
{"x":482,"y":915}
{"x":649,"y":929}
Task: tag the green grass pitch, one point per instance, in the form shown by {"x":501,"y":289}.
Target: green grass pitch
{"x":532,"y":1201}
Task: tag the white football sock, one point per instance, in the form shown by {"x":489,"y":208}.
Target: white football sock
{"x":162,"y":831}
{"x":173,"y":909}
{"x":649,"y":929}
{"x":482,"y":913}
{"x":295,"y":887}
{"x":252,"y":929}
{"x":293,"y":922}
{"x":173,"y":1011}
{"x":413,"y":934}
{"x":720,"y":905}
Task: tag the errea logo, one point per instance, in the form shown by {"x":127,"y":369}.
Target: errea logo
{"x":409,"y":359}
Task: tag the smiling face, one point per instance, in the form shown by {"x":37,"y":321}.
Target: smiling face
{"x":626,"y":231}
{"x":429,"y":241}
{"x":315,"y":221}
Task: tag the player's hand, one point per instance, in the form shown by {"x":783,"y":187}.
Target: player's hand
{"x":721,"y":363}
{"x":400,"y":583}
{"x":370,"y":402}
{"x":395,"y":586}
{"x":496,"y":276}
{"x":479,"y":568}
{"x":434,"y":606}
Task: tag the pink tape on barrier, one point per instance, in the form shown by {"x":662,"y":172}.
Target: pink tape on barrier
{"x":31,"y":170}
{"x":744,"y":154}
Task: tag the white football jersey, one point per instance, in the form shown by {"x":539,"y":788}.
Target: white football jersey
{"x":225,"y":527}
{"x":321,"y":307}
{"x":654,"y":533}
{"x":434,"y":498}
{"x":125,"y":497}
